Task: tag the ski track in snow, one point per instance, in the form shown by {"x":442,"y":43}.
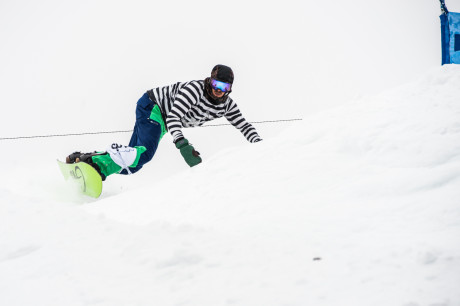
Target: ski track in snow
{"x":357,"y":205}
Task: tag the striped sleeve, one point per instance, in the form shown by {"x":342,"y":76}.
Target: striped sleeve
{"x":185,"y":98}
{"x":235,"y":117}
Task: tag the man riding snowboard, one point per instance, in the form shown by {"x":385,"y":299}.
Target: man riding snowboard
{"x":171,"y":108}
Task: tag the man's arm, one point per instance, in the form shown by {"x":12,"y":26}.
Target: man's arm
{"x":234,"y":116}
{"x":185,"y":99}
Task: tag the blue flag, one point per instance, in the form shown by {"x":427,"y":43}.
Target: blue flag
{"x":450,"y":37}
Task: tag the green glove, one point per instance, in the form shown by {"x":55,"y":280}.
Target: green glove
{"x":192,"y":157}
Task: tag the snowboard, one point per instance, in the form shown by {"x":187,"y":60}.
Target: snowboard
{"x":85,"y":177}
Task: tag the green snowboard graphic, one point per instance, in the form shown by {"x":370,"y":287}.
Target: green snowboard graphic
{"x":85,"y":176}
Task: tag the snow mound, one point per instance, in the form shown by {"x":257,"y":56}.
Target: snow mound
{"x":358,"y":205}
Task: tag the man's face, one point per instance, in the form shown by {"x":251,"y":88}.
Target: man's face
{"x":217,"y":93}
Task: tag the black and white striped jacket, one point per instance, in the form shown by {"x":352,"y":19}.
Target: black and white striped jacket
{"x":184,"y":104}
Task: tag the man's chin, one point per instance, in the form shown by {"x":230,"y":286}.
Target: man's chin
{"x":217,"y":97}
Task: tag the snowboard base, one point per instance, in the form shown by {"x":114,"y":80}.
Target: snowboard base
{"x":87,"y":179}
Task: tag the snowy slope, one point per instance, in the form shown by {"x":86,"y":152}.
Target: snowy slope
{"x":358,"y":205}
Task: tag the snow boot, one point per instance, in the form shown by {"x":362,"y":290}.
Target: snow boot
{"x":87,"y":158}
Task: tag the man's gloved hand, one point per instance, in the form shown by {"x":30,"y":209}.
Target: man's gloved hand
{"x":192,"y":157}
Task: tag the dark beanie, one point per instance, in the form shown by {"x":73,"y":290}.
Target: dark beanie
{"x":222,"y":73}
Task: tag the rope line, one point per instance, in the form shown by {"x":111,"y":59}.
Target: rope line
{"x":127,"y":131}
{"x":255,"y":122}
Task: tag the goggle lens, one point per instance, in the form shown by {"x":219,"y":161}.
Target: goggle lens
{"x":222,"y":86}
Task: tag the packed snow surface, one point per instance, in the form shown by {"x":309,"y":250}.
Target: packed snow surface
{"x":357,"y":205}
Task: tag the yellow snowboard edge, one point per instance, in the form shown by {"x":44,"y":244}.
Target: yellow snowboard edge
{"x":87,"y":178}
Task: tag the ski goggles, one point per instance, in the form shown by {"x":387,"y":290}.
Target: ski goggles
{"x":222,"y":86}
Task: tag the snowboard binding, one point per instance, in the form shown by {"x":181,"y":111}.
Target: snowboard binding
{"x":77,"y":157}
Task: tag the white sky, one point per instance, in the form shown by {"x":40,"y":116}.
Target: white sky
{"x":290,"y":58}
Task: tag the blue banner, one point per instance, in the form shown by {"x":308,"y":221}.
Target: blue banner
{"x":450,"y":37}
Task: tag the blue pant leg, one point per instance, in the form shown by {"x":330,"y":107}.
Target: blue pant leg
{"x":147,"y":132}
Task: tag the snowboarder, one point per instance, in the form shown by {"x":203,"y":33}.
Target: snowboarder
{"x":171,"y":108}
